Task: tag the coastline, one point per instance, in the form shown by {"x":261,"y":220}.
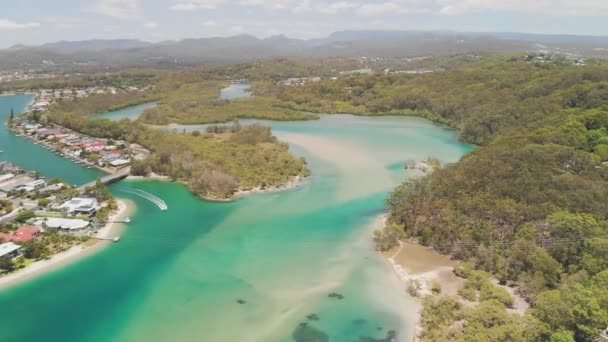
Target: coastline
{"x":71,"y":255}
{"x":293,"y":183}
{"x":412,"y":262}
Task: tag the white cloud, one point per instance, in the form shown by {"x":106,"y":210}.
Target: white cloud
{"x":548,"y":7}
{"x":333,"y":7}
{"x":191,"y":5}
{"x":63,"y":22}
{"x":272,"y":4}
{"x":124,"y":9}
{"x":150,"y":25}
{"x":237,"y":29}
{"x":390,"y":7}
{"x":6,"y":24}
{"x":210,"y":23}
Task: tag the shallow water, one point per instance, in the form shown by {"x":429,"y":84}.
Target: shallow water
{"x":250,"y":270}
{"x":235,"y":91}
{"x":131,"y":113}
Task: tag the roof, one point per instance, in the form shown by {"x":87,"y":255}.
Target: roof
{"x":118,"y":162}
{"x":63,"y":223}
{"x":7,"y":248}
{"x":79,"y":202}
{"x":22,"y":234}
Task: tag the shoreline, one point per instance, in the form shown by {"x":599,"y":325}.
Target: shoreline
{"x":294,"y":183}
{"x":71,"y":255}
{"x":414,"y":268}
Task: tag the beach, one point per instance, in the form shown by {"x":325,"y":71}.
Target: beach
{"x":72,"y":254}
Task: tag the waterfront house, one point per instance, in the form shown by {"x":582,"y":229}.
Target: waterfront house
{"x":6,"y":177}
{"x":63,"y":223}
{"x":80,"y":206}
{"x":22,"y":234}
{"x":31,"y":186}
{"x":119,"y":162}
{"x":10,"y":250}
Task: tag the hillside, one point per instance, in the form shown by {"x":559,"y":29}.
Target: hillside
{"x":529,"y":206}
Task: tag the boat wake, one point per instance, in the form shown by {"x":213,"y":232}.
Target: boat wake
{"x":154,"y":199}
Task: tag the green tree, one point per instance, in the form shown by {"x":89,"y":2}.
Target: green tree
{"x":24,"y":216}
{"x":7,"y":264}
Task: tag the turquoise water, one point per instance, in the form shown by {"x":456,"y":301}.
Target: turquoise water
{"x":235,"y":91}
{"x":131,"y":113}
{"x":179,"y":275}
{"x":33,"y":157}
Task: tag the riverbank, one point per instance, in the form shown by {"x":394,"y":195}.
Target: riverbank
{"x":294,"y":183}
{"x":72,"y":254}
{"x":432,"y":274}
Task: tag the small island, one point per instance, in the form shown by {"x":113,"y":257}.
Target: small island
{"x":218,"y":164}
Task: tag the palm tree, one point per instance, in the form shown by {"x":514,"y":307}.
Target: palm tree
{"x":11,"y":117}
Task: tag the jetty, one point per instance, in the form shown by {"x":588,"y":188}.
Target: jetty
{"x":114,"y":239}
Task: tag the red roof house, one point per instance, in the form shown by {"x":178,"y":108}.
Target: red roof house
{"x":22,"y":234}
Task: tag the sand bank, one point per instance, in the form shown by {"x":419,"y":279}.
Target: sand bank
{"x":151,"y":176}
{"x":68,"y":256}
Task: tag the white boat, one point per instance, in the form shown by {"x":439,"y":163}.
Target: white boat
{"x":116,"y":239}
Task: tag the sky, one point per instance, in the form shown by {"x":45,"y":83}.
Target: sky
{"x":34,"y":22}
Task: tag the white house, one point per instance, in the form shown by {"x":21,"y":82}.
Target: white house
{"x":119,"y":162}
{"x":6,"y":177}
{"x":80,"y":205}
{"x":10,"y":249}
{"x":34,"y":185}
{"x":63,"y":223}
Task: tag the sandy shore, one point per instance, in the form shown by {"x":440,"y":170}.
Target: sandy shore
{"x":294,"y":183}
{"x":151,"y":176}
{"x":68,"y":256}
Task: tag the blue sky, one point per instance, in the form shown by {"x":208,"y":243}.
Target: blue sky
{"x":39,"y":21}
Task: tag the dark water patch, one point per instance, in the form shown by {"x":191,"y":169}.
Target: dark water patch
{"x":391,"y":336}
{"x":241,"y":301}
{"x":359,"y":321}
{"x":313,"y":317}
{"x":306,"y":333}
{"x":336,"y":296}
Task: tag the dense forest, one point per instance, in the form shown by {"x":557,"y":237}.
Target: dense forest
{"x":480,"y":99}
{"x":529,"y":206}
{"x":213,"y":165}
{"x":197,"y":103}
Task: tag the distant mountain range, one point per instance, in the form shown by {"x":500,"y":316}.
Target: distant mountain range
{"x":103,"y":54}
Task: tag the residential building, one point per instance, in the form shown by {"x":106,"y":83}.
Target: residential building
{"x":6,"y":177}
{"x":64,"y":223}
{"x":22,"y":234}
{"x":34,"y":185}
{"x":81,"y":206}
{"x":10,"y":250}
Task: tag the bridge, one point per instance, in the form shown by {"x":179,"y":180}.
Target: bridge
{"x":109,"y":179}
